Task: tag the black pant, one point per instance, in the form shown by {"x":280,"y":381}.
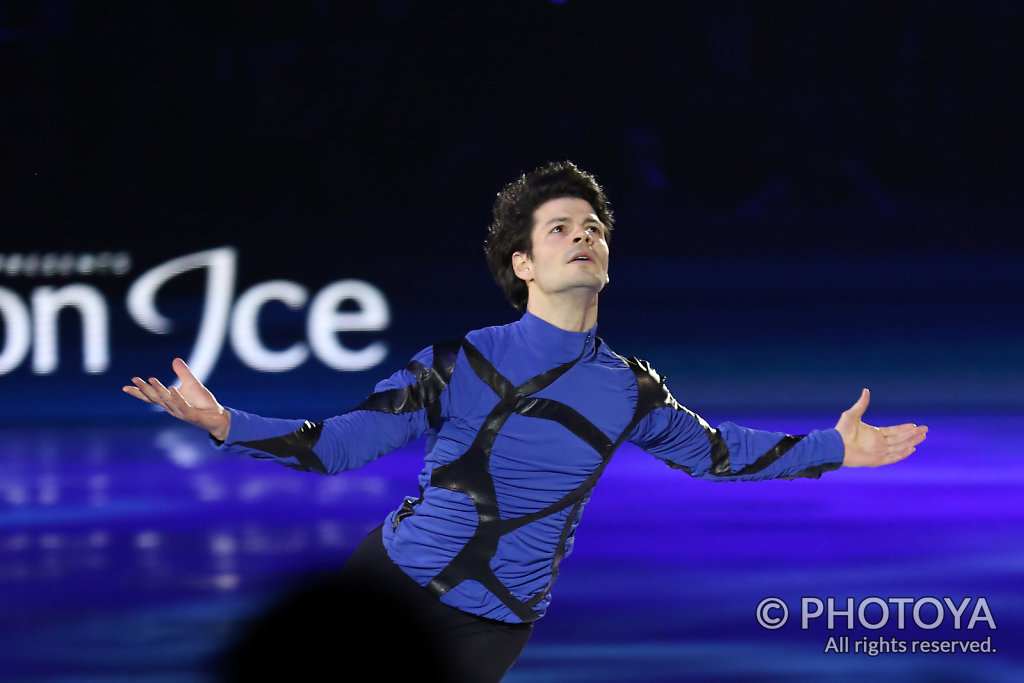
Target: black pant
{"x":371,"y":616}
{"x":464,"y":647}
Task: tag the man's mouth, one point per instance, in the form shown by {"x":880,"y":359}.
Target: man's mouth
{"x":579,"y":257}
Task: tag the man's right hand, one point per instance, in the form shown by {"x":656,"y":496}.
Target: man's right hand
{"x":192,"y":403}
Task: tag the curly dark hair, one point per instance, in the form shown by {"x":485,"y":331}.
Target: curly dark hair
{"x":512,"y":228}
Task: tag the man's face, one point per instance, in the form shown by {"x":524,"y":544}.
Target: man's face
{"x":569,"y":248}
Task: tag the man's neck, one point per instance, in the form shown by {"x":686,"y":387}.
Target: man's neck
{"x":570,"y":313}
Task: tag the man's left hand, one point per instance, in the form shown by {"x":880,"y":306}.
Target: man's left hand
{"x":868,"y":446}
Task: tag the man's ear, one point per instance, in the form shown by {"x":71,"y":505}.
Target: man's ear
{"x":522,"y":266}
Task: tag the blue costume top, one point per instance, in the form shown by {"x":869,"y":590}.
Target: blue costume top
{"x":521,"y":420}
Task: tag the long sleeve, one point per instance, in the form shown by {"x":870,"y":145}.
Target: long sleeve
{"x":402,"y":408}
{"x":685,"y":441}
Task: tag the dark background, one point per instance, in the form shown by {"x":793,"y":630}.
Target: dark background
{"x":811,"y":196}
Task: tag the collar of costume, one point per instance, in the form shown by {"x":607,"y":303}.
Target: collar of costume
{"x":554,"y":343}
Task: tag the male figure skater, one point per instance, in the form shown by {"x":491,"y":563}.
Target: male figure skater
{"x":521,"y":420}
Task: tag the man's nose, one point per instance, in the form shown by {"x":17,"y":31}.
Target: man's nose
{"x":583,"y":235}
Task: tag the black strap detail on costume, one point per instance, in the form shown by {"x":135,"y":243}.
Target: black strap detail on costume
{"x":655,"y":394}
{"x":770,"y":456}
{"x":470,"y":474}
{"x":567,"y":417}
{"x":556,"y":561}
{"x":653,"y":384}
{"x":299,"y":445}
{"x":430,"y":382}
{"x":408,"y":509}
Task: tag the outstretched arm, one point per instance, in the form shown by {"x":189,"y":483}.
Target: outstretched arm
{"x":867,"y":446}
{"x":192,"y":403}
{"x":686,"y":441}
{"x":402,"y":408}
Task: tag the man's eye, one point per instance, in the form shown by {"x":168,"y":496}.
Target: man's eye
{"x":557,"y":228}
